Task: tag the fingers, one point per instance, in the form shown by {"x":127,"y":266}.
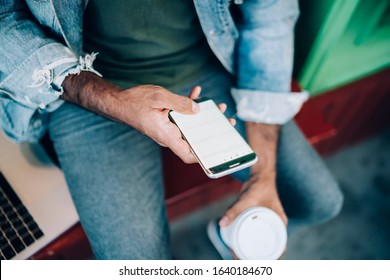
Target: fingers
{"x":173,"y":140}
{"x":244,"y":204}
{"x":183,"y":151}
{"x":195,"y":92}
{"x":222,"y":107}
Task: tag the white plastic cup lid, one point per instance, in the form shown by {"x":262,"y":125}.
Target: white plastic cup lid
{"x":257,"y":234}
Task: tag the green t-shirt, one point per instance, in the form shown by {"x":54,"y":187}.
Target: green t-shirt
{"x":146,"y":41}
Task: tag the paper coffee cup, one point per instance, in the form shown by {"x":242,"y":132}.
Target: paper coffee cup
{"x":258,"y":233}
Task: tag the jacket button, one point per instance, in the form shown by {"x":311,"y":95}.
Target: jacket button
{"x":212,"y":32}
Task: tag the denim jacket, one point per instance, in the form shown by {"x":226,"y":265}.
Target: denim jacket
{"x":41,"y":43}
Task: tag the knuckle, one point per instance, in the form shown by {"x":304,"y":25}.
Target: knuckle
{"x":186,"y":103}
{"x":155,"y":96}
{"x":185,"y":160}
{"x":154,"y":87}
{"x":182,"y":103}
{"x":161,"y":137}
{"x":187,"y":157}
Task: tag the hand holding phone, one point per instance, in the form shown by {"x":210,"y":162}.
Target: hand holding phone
{"x":216,"y":144}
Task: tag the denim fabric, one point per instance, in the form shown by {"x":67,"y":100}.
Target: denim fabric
{"x":114,"y":176}
{"x":40,"y":42}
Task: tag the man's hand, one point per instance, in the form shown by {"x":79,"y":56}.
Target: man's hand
{"x":260,"y":189}
{"x":256,"y":192}
{"x":144,"y":107}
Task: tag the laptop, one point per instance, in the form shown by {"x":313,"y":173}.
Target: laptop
{"x":35,"y":204}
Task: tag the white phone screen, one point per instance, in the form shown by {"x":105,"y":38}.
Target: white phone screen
{"x":211,"y":136}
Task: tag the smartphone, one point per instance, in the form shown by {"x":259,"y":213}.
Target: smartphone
{"x":216,"y":144}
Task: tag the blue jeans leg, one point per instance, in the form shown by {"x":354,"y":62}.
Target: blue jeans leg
{"x":114,"y":176}
{"x":309,"y":192}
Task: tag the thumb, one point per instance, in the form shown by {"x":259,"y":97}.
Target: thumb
{"x":180,"y":104}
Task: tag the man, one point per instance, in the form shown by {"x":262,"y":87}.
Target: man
{"x":152,"y":54}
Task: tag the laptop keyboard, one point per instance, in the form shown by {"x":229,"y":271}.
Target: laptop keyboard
{"x":18,"y":228}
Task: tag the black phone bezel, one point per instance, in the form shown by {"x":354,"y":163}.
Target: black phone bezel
{"x":233,"y":163}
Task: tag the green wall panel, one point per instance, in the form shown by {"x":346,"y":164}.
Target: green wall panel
{"x":353,"y":41}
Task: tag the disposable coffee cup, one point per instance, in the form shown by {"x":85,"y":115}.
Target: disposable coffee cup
{"x":258,"y":233}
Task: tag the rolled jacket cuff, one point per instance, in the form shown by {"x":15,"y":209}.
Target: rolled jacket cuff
{"x":85,"y":64}
{"x":268,"y":107}
{"x":41,"y":86}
